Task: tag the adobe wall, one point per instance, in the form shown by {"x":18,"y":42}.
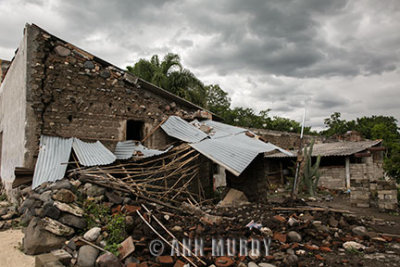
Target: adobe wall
{"x":13,"y":116}
{"x":72,"y":93}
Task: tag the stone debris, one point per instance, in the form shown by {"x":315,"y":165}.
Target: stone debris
{"x":106,"y":230}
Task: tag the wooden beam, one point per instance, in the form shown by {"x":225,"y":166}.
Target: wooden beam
{"x":347,"y":166}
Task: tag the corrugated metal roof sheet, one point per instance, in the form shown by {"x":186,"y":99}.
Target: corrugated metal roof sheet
{"x":127,"y":149}
{"x":92,"y":154}
{"x":219,"y":129}
{"x":234,"y":152}
{"x":54,"y":153}
{"x":182,"y":130}
{"x":334,"y":149}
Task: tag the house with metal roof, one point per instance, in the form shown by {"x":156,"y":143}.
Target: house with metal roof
{"x":342,"y":163}
{"x":63,"y":106}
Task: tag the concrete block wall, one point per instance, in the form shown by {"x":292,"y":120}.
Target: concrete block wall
{"x":333,"y":177}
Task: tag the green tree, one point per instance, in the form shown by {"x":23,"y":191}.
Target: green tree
{"x":171,"y":76}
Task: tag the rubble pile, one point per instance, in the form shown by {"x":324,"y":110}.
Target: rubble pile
{"x":76,"y":223}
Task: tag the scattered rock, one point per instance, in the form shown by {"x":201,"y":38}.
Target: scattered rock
{"x":74,"y":221}
{"x":56,"y":227}
{"x":48,"y":210}
{"x":294,"y":236}
{"x":108,"y":260}
{"x":263,"y":264}
{"x":87,"y":256}
{"x":61,"y":184}
{"x":62,"y":51}
{"x":47,"y":260}
{"x":92,"y":234}
{"x":252,"y":264}
{"x":292,"y":221}
{"x":177,"y":228}
{"x":360,"y":231}
{"x":45,"y":196}
{"x":353,"y":245}
{"x":37,"y":240}
{"x":64,"y":195}
{"x":94,"y":190}
{"x":333,"y":222}
{"x":63,"y":256}
{"x":114,"y":198}
{"x":291,"y":260}
{"x":69,"y":208}
{"x":266,"y":231}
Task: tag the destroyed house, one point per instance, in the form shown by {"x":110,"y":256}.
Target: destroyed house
{"x":60,"y":104}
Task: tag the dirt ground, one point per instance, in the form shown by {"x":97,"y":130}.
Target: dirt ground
{"x":10,"y":255}
{"x":342,"y":201}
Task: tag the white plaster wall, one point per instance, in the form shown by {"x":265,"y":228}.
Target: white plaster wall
{"x":13,"y":114}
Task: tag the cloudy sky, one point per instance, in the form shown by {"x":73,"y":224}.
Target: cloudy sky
{"x":283,"y":55}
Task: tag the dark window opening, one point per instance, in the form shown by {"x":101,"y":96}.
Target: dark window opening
{"x":134,"y":130}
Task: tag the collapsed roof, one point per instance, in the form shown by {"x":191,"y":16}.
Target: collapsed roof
{"x":232,"y":147}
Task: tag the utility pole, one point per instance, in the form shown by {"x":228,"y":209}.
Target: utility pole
{"x":299,"y":160}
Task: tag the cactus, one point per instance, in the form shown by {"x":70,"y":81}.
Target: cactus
{"x":311,"y":173}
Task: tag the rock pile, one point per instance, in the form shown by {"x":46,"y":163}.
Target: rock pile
{"x":75,"y":223}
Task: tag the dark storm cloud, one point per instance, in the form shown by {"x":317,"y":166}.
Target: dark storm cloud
{"x":284,"y":55}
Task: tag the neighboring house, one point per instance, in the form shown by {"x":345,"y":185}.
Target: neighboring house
{"x":342,"y":162}
{"x":345,"y":165}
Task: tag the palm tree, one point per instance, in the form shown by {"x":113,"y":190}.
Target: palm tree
{"x":170,"y":75}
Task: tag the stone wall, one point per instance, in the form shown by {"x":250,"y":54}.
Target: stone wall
{"x":54,"y":88}
{"x":285,"y":140}
{"x":13,"y":116}
{"x":73,"y":93}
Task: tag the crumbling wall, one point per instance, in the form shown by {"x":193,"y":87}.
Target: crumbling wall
{"x":72,"y":93}
{"x":12,"y":105}
{"x":366,"y":184}
{"x":285,"y":140}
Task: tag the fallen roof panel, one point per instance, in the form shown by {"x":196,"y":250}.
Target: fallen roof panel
{"x":234,"y":152}
{"x":182,"y":130}
{"x":51,"y":165}
{"x":92,"y":154}
{"x":129,"y":149}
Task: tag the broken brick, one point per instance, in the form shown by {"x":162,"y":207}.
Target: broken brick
{"x":165,"y":260}
{"x":280,"y":237}
{"x":325,"y":249}
{"x":224,"y":261}
{"x":319,"y":257}
{"x":279,"y":218}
